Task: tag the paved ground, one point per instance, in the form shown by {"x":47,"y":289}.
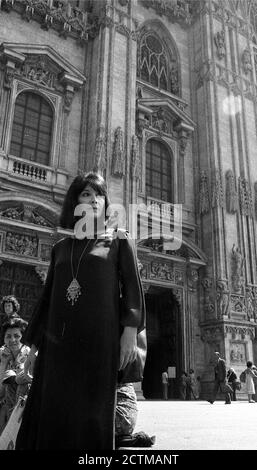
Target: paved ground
{"x":198,"y":425}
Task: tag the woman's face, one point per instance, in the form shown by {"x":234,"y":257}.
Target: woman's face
{"x":92,"y":198}
{"x":12,"y":338}
{"x":8,"y":308}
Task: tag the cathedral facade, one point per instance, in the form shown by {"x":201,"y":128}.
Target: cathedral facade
{"x":160,"y":97}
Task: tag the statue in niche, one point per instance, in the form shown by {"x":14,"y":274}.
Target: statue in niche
{"x":219,"y":39}
{"x":135,"y":158}
{"x":237,"y":269}
{"x":223,"y":298}
{"x":246,"y":61}
{"x":100,"y":160}
{"x":118,"y":162}
{"x":231,"y":193}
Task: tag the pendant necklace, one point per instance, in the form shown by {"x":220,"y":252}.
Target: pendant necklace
{"x":74,"y":289}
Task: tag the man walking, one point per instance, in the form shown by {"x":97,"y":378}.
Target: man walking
{"x":165,"y":385}
{"x":220,"y":381}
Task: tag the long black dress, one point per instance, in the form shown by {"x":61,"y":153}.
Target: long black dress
{"x":72,"y":398}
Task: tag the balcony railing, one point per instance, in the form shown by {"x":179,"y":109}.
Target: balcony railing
{"x":32,"y":172}
{"x":24,"y":170}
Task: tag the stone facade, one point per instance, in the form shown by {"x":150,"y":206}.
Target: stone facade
{"x":117,"y":76}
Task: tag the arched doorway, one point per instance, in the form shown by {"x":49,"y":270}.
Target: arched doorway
{"x":164,"y":341}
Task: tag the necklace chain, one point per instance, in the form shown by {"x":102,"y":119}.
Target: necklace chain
{"x":72,"y":248}
{"x":74,"y":289}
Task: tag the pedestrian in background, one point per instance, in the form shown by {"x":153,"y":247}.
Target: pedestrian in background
{"x":220,"y":380}
{"x":233,"y":382}
{"x":79,"y":336}
{"x":183,"y":385}
{"x":12,"y":358}
{"x":192,"y":389}
{"x":165,"y":385}
{"x":249,"y":381}
{"x":10,"y":308}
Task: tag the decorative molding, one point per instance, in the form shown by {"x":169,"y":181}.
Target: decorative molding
{"x":135,"y":159}
{"x":182,"y":12}
{"x":231,"y":193}
{"x":68,"y":20}
{"x":255,"y":199}
{"x":204,"y":196}
{"x":217,"y":190}
{"x":240,"y":331}
{"x":245,"y":197}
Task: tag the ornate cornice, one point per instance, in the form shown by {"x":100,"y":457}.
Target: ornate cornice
{"x":182,"y":12}
{"x":68,"y":20}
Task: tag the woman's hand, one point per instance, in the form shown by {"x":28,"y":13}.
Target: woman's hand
{"x":128,"y":346}
{"x":30,"y":361}
{"x":6,"y":356}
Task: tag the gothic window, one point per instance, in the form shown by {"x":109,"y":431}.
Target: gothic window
{"x":32,"y":128}
{"x":155,"y":66}
{"x":158,"y":171}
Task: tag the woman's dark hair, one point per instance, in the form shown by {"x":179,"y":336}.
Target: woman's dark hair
{"x":10,"y":299}
{"x":16,"y":322}
{"x":96,"y":182}
{"x":249,"y":364}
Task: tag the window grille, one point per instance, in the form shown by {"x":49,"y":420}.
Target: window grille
{"x":32,"y":128}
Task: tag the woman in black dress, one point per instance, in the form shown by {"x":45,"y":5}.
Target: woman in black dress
{"x":79,"y":336}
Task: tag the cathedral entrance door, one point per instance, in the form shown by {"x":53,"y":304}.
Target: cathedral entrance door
{"x":23,"y":282}
{"x":164,"y":341}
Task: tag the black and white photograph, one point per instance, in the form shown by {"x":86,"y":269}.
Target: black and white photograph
{"x":128,"y":231}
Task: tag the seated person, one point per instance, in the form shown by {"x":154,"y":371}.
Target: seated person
{"x":10,"y":308}
{"x":13,"y":354}
{"x":126,"y":417}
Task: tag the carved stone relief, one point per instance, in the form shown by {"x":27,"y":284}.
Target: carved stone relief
{"x":204,"y":197}
{"x":68,"y":20}
{"x":237,"y":353}
{"x":245,"y":197}
{"x":18,"y":244}
{"x":135,"y":158}
{"x":217,"y":190}
{"x":25,"y":213}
